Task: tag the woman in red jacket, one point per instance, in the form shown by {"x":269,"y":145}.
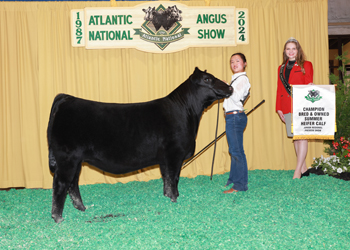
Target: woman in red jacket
{"x":295,"y":70}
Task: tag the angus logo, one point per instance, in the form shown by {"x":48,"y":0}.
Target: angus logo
{"x":313,"y":96}
{"x":161,"y":25}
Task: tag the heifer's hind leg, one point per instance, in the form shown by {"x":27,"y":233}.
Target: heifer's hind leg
{"x":74,"y":192}
{"x":59,"y":193}
{"x":62,"y":180}
{"x":171,"y":175}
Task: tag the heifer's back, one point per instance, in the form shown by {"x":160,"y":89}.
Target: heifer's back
{"x":117,"y":138}
{"x":121,"y":138}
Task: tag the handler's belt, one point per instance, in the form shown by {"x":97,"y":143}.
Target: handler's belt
{"x":234,"y":112}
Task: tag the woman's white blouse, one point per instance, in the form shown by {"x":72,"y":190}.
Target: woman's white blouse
{"x":240,"y":89}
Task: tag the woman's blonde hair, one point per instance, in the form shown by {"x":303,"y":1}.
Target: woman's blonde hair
{"x":300,"y":58}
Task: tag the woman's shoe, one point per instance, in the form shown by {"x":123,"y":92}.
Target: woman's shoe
{"x":306,"y":173}
{"x":230,"y":191}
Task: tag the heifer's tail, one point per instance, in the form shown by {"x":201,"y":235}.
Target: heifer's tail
{"x":52,"y":161}
{"x":56,"y":103}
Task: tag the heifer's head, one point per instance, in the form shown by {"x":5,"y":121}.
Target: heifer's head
{"x":174,"y":13}
{"x":209,"y":86}
{"x":149,"y":13}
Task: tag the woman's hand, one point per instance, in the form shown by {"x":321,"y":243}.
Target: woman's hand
{"x":280,"y":113}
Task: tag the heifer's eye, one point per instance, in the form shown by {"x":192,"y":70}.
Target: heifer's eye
{"x":207,"y":79}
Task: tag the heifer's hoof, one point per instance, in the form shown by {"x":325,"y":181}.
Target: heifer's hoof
{"x":57,"y":218}
{"x":80,"y":207}
{"x":172,"y":198}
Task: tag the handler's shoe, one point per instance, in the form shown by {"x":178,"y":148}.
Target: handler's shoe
{"x":230,"y":191}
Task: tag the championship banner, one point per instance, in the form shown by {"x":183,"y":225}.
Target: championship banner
{"x":159,"y":27}
{"x":313,"y":112}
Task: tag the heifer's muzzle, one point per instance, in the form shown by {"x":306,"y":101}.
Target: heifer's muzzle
{"x":224,"y":93}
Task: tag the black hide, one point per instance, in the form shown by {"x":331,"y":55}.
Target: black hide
{"x":121,"y":138}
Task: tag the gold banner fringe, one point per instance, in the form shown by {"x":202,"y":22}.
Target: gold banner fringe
{"x":319,"y":137}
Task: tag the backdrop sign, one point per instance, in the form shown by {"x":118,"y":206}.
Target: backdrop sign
{"x":313,"y":112}
{"x":159,"y":27}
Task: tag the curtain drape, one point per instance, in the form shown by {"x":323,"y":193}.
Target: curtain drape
{"x":37,"y":62}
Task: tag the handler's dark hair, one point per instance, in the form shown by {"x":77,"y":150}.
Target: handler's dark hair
{"x":241,"y":55}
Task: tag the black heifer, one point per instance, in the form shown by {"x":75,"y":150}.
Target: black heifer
{"x":121,"y":138}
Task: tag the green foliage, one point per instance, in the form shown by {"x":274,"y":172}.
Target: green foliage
{"x":342,"y":105}
{"x":339,"y":148}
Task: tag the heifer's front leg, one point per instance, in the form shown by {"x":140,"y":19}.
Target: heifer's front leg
{"x":171,"y":174}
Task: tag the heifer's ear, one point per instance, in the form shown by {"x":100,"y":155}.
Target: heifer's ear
{"x":195,"y":73}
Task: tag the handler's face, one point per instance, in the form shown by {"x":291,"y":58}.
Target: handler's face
{"x":291,"y":51}
{"x":237,"y":64}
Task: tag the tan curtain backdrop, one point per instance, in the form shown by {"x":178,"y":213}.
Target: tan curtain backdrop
{"x":37,"y":62}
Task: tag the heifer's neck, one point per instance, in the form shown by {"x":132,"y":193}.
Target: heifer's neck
{"x":190,"y":99}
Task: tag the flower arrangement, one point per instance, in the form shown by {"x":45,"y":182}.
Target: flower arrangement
{"x":338,"y":162}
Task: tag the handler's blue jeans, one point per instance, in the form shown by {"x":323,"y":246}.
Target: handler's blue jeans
{"x":235,"y":125}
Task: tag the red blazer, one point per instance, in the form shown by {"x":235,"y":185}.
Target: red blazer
{"x":296,"y":77}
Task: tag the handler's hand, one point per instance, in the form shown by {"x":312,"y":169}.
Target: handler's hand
{"x":280,"y":113}
{"x":311,"y":83}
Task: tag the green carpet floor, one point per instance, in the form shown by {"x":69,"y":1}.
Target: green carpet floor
{"x":276,"y":212}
